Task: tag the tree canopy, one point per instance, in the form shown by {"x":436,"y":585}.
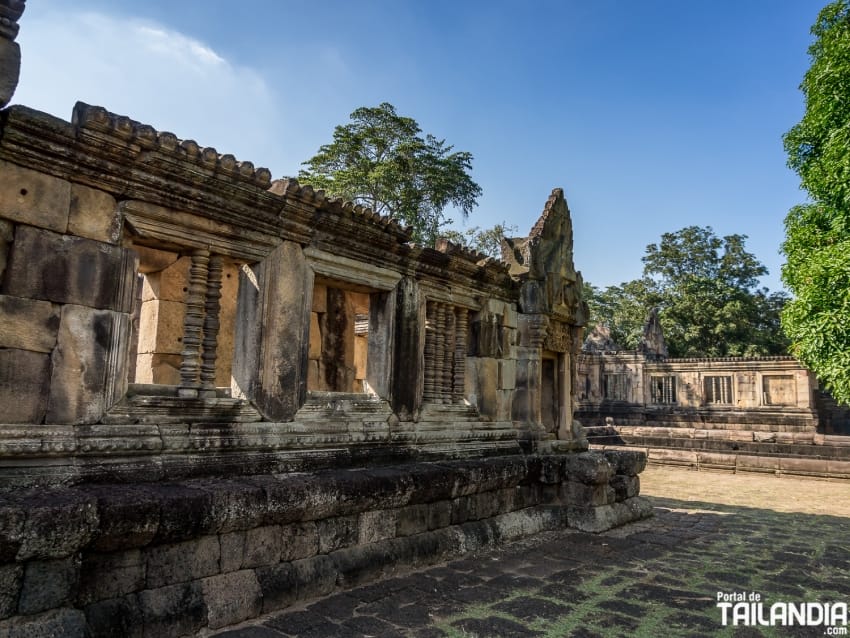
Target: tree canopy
{"x":485,"y":240}
{"x":817,"y":234}
{"x":706,"y":290}
{"x":381,"y":160}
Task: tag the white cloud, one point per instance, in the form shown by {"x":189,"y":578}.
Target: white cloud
{"x":152,"y":74}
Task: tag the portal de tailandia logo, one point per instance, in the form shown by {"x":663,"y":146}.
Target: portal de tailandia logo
{"x":751,"y":609}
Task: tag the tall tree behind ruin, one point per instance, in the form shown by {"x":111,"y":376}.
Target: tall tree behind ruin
{"x":706,"y":290}
{"x":817,"y":234}
{"x":381,"y":160}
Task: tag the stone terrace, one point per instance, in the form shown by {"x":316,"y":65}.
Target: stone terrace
{"x":783,"y":538}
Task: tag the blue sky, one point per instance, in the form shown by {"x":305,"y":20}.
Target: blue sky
{"x":652,"y":115}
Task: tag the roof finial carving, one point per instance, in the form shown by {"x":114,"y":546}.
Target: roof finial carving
{"x":10,"y":51}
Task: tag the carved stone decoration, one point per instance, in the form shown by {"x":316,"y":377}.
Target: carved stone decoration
{"x":429,"y":392}
{"x":599,"y":340}
{"x":543,"y":261}
{"x":448,"y":368}
{"x":190,"y":366}
{"x":211,"y":324}
{"x":552,"y":314}
{"x":440,"y":352}
{"x":557,"y":337}
{"x":653,"y":344}
{"x":10,"y":51}
{"x":461,"y":322}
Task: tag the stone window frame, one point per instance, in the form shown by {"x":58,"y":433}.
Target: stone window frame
{"x":765,"y":396}
{"x":382,"y":284}
{"x":665,"y":393}
{"x":460,"y":299}
{"x":621,"y":387}
{"x":184,"y":232}
{"x":718,"y":389}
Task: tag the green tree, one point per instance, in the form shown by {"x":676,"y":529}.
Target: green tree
{"x":622,"y":308}
{"x":381,"y":160}
{"x":485,"y":240}
{"x":705,"y":288}
{"x":817,"y":234}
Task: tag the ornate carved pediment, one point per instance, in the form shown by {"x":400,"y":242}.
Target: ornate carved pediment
{"x":544,"y":262}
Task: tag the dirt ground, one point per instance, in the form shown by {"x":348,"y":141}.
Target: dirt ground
{"x":765,"y":491}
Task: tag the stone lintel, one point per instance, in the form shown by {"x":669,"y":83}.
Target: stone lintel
{"x":174,"y":227}
{"x":350,"y":270}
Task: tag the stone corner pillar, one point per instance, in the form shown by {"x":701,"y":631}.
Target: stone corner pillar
{"x":408,"y":357}
{"x":272,"y":333}
{"x":10,"y":51}
{"x":526,"y":410}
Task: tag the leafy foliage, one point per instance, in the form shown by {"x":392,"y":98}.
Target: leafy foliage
{"x":484,"y":240}
{"x":705,"y":288}
{"x":817,"y":234}
{"x":381,"y":160}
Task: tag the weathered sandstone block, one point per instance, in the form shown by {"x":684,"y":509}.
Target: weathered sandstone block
{"x":176,"y":610}
{"x":11,"y":577}
{"x":94,"y":215}
{"x":298,"y":540}
{"x":71,"y":270}
{"x":336,"y":533}
{"x":57,"y":622}
{"x":231,"y":598}
{"x":28,"y":324}
{"x":626,"y":462}
{"x":104,"y":576}
{"x":588,"y":467}
{"x":34,"y":198}
{"x":179,"y":562}
{"x":48,"y":584}
{"x":129,"y":516}
{"x":24,"y":383}
{"x":57,"y":523}
{"x":85,"y":363}
{"x":116,"y":617}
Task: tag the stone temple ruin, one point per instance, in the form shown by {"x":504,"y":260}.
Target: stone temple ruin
{"x":221,"y":393}
{"x":753,"y":414}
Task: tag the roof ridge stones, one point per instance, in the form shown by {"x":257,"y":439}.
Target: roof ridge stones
{"x":86,"y":116}
{"x":289,"y":186}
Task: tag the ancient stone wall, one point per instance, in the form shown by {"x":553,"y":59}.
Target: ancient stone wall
{"x":651,"y":391}
{"x":150,"y":285}
{"x":173,"y":559}
{"x":759,"y":414}
{"x":222,"y":393}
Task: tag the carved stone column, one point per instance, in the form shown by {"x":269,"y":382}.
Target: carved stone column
{"x":439,"y":351}
{"x":462,"y":323}
{"x":193,"y":324}
{"x":448,"y":368}
{"x":211,"y":326}
{"x":10,"y":51}
{"x":429,"y":393}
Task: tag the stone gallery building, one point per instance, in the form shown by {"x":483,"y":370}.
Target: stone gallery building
{"x":760,"y":414}
{"x":221,"y":393}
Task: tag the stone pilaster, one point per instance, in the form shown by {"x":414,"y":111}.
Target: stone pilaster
{"x":527,"y":411}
